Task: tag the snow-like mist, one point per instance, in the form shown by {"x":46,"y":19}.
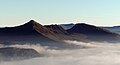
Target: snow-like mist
{"x":95,"y":54}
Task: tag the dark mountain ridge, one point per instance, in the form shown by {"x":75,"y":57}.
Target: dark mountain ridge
{"x":115,"y":29}
{"x":19,"y":30}
{"x":94,"y":33}
{"x":57,"y":29}
{"x":25,"y":32}
{"x":33,"y":33}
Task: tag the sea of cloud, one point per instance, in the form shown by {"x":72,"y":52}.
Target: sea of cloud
{"x":95,"y":54}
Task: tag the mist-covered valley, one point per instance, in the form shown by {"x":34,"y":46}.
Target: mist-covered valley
{"x":94,"y":54}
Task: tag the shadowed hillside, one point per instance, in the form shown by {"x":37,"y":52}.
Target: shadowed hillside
{"x":31,"y":31}
{"x":94,"y":33}
{"x":12,"y":53}
{"x":55,"y":35}
{"x":34,"y":33}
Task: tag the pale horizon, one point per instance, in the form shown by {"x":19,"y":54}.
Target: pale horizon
{"x":99,"y":13}
{"x":55,"y":24}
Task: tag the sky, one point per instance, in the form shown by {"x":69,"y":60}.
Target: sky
{"x":96,"y":12}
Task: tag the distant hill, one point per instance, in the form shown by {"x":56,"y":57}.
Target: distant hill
{"x":67,"y":26}
{"x":115,"y":29}
{"x":94,"y":33}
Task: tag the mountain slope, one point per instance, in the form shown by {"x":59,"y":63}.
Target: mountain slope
{"x":94,"y":33}
{"x":33,"y":33}
{"x":57,"y":29}
{"x":62,"y":34}
{"x":30,"y":33}
{"x":115,"y":29}
{"x":25,"y":32}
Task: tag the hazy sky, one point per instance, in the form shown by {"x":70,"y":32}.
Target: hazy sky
{"x":97,"y":12}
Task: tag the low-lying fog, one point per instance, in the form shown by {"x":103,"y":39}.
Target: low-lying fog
{"x":95,"y":54}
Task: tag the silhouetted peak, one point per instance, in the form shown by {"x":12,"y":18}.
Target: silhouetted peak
{"x":28,"y":28}
{"x":31,"y":21}
{"x":93,"y":32}
{"x":82,"y":24}
{"x":88,"y":29}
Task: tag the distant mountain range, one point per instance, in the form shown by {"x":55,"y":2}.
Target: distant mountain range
{"x":67,"y":26}
{"x":94,"y":33}
{"x":51,"y":36}
{"x":115,"y":29}
{"x":54,"y":35}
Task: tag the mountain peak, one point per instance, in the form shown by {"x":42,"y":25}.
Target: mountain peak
{"x":83,"y":24}
{"x":31,"y":21}
{"x":86,"y":28}
{"x":28,"y":28}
